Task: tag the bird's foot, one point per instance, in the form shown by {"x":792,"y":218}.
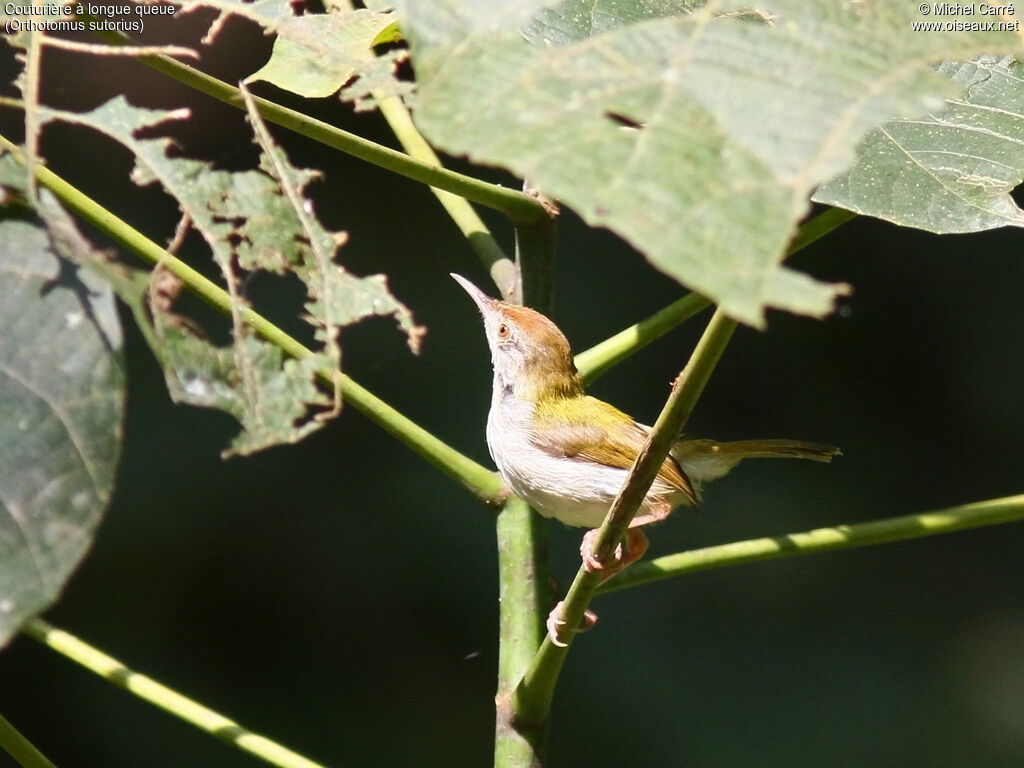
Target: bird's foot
{"x":632,"y":549}
{"x":558,"y":627}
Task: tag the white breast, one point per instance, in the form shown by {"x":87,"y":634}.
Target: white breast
{"x":575,"y":491}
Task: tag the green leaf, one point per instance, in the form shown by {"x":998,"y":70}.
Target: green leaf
{"x":698,"y":138}
{"x":951,"y":171}
{"x":317,"y":54}
{"x":61,"y":405}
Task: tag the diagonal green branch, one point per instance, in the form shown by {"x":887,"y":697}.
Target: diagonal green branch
{"x":160,"y":695}
{"x":534,"y":694}
{"x":964,"y":517}
{"x":21,"y":749}
{"x":817,"y":227}
{"x":477,"y":479}
{"x":596,"y":361}
{"x":520,"y":208}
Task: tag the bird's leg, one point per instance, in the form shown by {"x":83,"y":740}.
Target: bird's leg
{"x":627,"y":553}
{"x":631,"y":550}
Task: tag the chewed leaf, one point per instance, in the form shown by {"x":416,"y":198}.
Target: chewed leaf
{"x":319,"y":54}
{"x":949,"y":171}
{"x":61,"y":406}
{"x":346,"y":298}
{"x":699,"y":137}
{"x":267,"y":13}
{"x":336,"y":298}
{"x":259,"y":219}
{"x":269,"y":395}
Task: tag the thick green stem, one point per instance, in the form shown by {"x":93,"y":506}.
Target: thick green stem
{"x":20,"y":748}
{"x":534,"y":694}
{"x":1005,"y":510}
{"x":535,"y":258}
{"x":477,"y":479}
{"x":522,"y":584}
{"x":522,"y":544}
{"x":169,"y":700}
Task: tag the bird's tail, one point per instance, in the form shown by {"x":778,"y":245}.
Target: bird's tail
{"x":706,"y":460}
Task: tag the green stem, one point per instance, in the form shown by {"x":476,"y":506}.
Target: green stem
{"x":169,"y":700}
{"x":517,"y":206}
{"x":20,"y":748}
{"x":501,"y":268}
{"x":477,"y":479}
{"x":1004,"y":510}
{"x":816,"y":228}
{"x":535,"y":258}
{"x":595,"y":361}
{"x":534,"y":694}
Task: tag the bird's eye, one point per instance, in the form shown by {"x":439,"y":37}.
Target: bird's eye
{"x":503,"y":331}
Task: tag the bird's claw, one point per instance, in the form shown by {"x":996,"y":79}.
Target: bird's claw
{"x":557,"y":626}
{"x":632,"y":549}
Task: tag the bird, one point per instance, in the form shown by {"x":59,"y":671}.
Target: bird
{"x":567,"y":453}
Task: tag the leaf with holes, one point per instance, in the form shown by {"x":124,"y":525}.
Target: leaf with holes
{"x":317,"y":55}
{"x":275,"y":399}
{"x":260,"y":219}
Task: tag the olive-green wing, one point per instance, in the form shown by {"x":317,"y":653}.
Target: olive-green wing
{"x":591,"y":429}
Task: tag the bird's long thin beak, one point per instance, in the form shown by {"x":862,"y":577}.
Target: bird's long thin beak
{"x":484,"y":302}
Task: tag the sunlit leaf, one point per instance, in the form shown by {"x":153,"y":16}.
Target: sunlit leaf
{"x":317,"y":55}
{"x":699,"y":138}
{"x":949,"y":171}
{"x":573,"y":20}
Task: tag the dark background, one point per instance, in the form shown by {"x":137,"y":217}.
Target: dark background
{"x":340,"y":595}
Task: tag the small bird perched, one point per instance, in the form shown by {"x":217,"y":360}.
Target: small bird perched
{"x":567,"y":454}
